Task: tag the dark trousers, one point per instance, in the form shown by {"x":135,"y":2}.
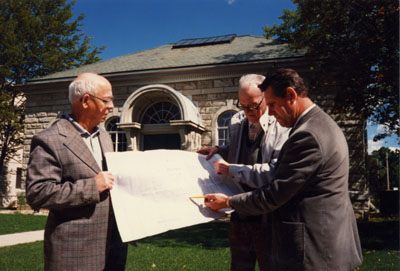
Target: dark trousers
{"x":116,"y":257}
{"x":248,"y":243}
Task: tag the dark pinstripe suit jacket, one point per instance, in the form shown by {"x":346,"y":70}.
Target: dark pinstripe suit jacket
{"x":312,"y":221}
{"x":60,"y":177}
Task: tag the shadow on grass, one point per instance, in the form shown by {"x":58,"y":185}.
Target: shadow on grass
{"x":379,"y":235}
{"x":211,"y":235}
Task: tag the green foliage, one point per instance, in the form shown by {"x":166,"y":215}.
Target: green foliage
{"x":11,"y":123}
{"x":21,"y":200}
{"x":377,"y":169}
{"x":37,"y":37}
{"x":354,"y":48}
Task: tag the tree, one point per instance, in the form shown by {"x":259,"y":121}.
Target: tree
{"x":354,"y":45}
{"x":378,"y":170}
{"x":377,"y":177}
{"x":37,"y":37}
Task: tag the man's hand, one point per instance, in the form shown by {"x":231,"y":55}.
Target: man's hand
{"x":221,"y":167}
{"x":208,"y":151}
{"x":104,"y":180}
{"x":216,"y":201}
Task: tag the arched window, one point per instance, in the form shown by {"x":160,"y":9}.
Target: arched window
{"x":161,"y":112}
{"x":223,"y":123}
{"x":117,"y":135}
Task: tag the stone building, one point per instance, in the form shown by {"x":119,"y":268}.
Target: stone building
{"x":182,"y":95}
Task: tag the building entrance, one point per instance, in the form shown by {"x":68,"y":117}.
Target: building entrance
{"x":159,"y":117}
{"x":161,"y":141}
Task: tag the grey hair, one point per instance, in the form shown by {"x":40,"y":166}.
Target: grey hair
{"x":250,"y":80}
{"x":81,"y":86}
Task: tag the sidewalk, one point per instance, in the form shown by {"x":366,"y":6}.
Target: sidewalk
{"x":20,"y":238}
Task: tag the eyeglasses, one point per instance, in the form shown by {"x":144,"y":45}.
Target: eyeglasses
{"x":249,"y":108}
{"x":105,"y":101}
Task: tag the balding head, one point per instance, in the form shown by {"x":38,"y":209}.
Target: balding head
{"x":92,"y":99}
{"x":86,"y":83}
{"x":249,"y":81}
{"x":250,"y":96}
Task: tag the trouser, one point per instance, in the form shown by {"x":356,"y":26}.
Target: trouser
{"x":248,"y":243}
{"x":116,"y":257}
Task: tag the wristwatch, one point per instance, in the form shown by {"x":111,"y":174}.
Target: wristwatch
{"x":227,"y":203}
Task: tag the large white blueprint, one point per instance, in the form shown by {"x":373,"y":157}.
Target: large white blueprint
{"x":152,"y":190}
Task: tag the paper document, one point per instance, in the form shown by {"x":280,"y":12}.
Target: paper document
{"x":152,"y":190}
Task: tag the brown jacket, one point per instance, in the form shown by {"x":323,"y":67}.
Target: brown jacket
{"x":60,"y":177}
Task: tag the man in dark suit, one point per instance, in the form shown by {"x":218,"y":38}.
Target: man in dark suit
{"x":67,"y":175}
{"x":312,"y":221}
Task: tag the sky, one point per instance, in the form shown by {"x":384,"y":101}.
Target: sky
{"x":129,"y":26}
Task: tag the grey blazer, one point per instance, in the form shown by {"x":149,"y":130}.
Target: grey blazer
{"x":60,"y":177}
{"x":274,"y":137}
{"x":312,"y":221}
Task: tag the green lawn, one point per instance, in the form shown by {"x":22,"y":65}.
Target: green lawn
{"x":11,"y":223}
{"x":201,"y":247}
{"x":205,"y":247}
{"x":380,"y":243}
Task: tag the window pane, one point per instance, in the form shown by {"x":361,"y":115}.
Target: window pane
{"x":118,"y":136}
{"x":112,"y":124}
{"x":223,"y":123}
{"x":161,"y":112}
{"x":122,"y":144}
{"x":19,"y":178}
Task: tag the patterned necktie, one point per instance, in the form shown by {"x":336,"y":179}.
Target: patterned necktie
{"x":254,"y":130}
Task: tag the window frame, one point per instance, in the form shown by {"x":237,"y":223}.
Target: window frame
{"x":119,"y":135}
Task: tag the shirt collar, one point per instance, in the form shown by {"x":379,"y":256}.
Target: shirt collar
{"x":82,"y":131}
{"x":304,"y":113}
{"x":264,"y":121}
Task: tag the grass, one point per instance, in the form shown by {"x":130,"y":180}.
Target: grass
{"x":25,"y":257}
{"x":380,"y":243}
{"x":12,"y":223}
{"x":200,"y":247}
{"x":205,"y":247}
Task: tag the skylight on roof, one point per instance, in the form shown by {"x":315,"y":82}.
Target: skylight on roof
{"x":204,"y":41}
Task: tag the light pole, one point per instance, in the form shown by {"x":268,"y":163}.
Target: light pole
{"x":387,"y":172}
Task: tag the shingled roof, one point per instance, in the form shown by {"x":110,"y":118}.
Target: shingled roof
{"x":241,"y":49}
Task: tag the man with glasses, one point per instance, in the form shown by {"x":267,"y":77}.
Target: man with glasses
{"x":255,"y":140}
{"x":67,"y":174}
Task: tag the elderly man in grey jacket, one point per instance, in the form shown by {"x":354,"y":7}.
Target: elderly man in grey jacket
{"x":311,"y":222}
{"x":67,"y":174}
{"x":255,"y":140}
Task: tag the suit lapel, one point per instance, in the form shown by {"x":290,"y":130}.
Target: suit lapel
{"x":314,"y":111}
{"x":305,"y":118}
{"x":76,"y":145}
